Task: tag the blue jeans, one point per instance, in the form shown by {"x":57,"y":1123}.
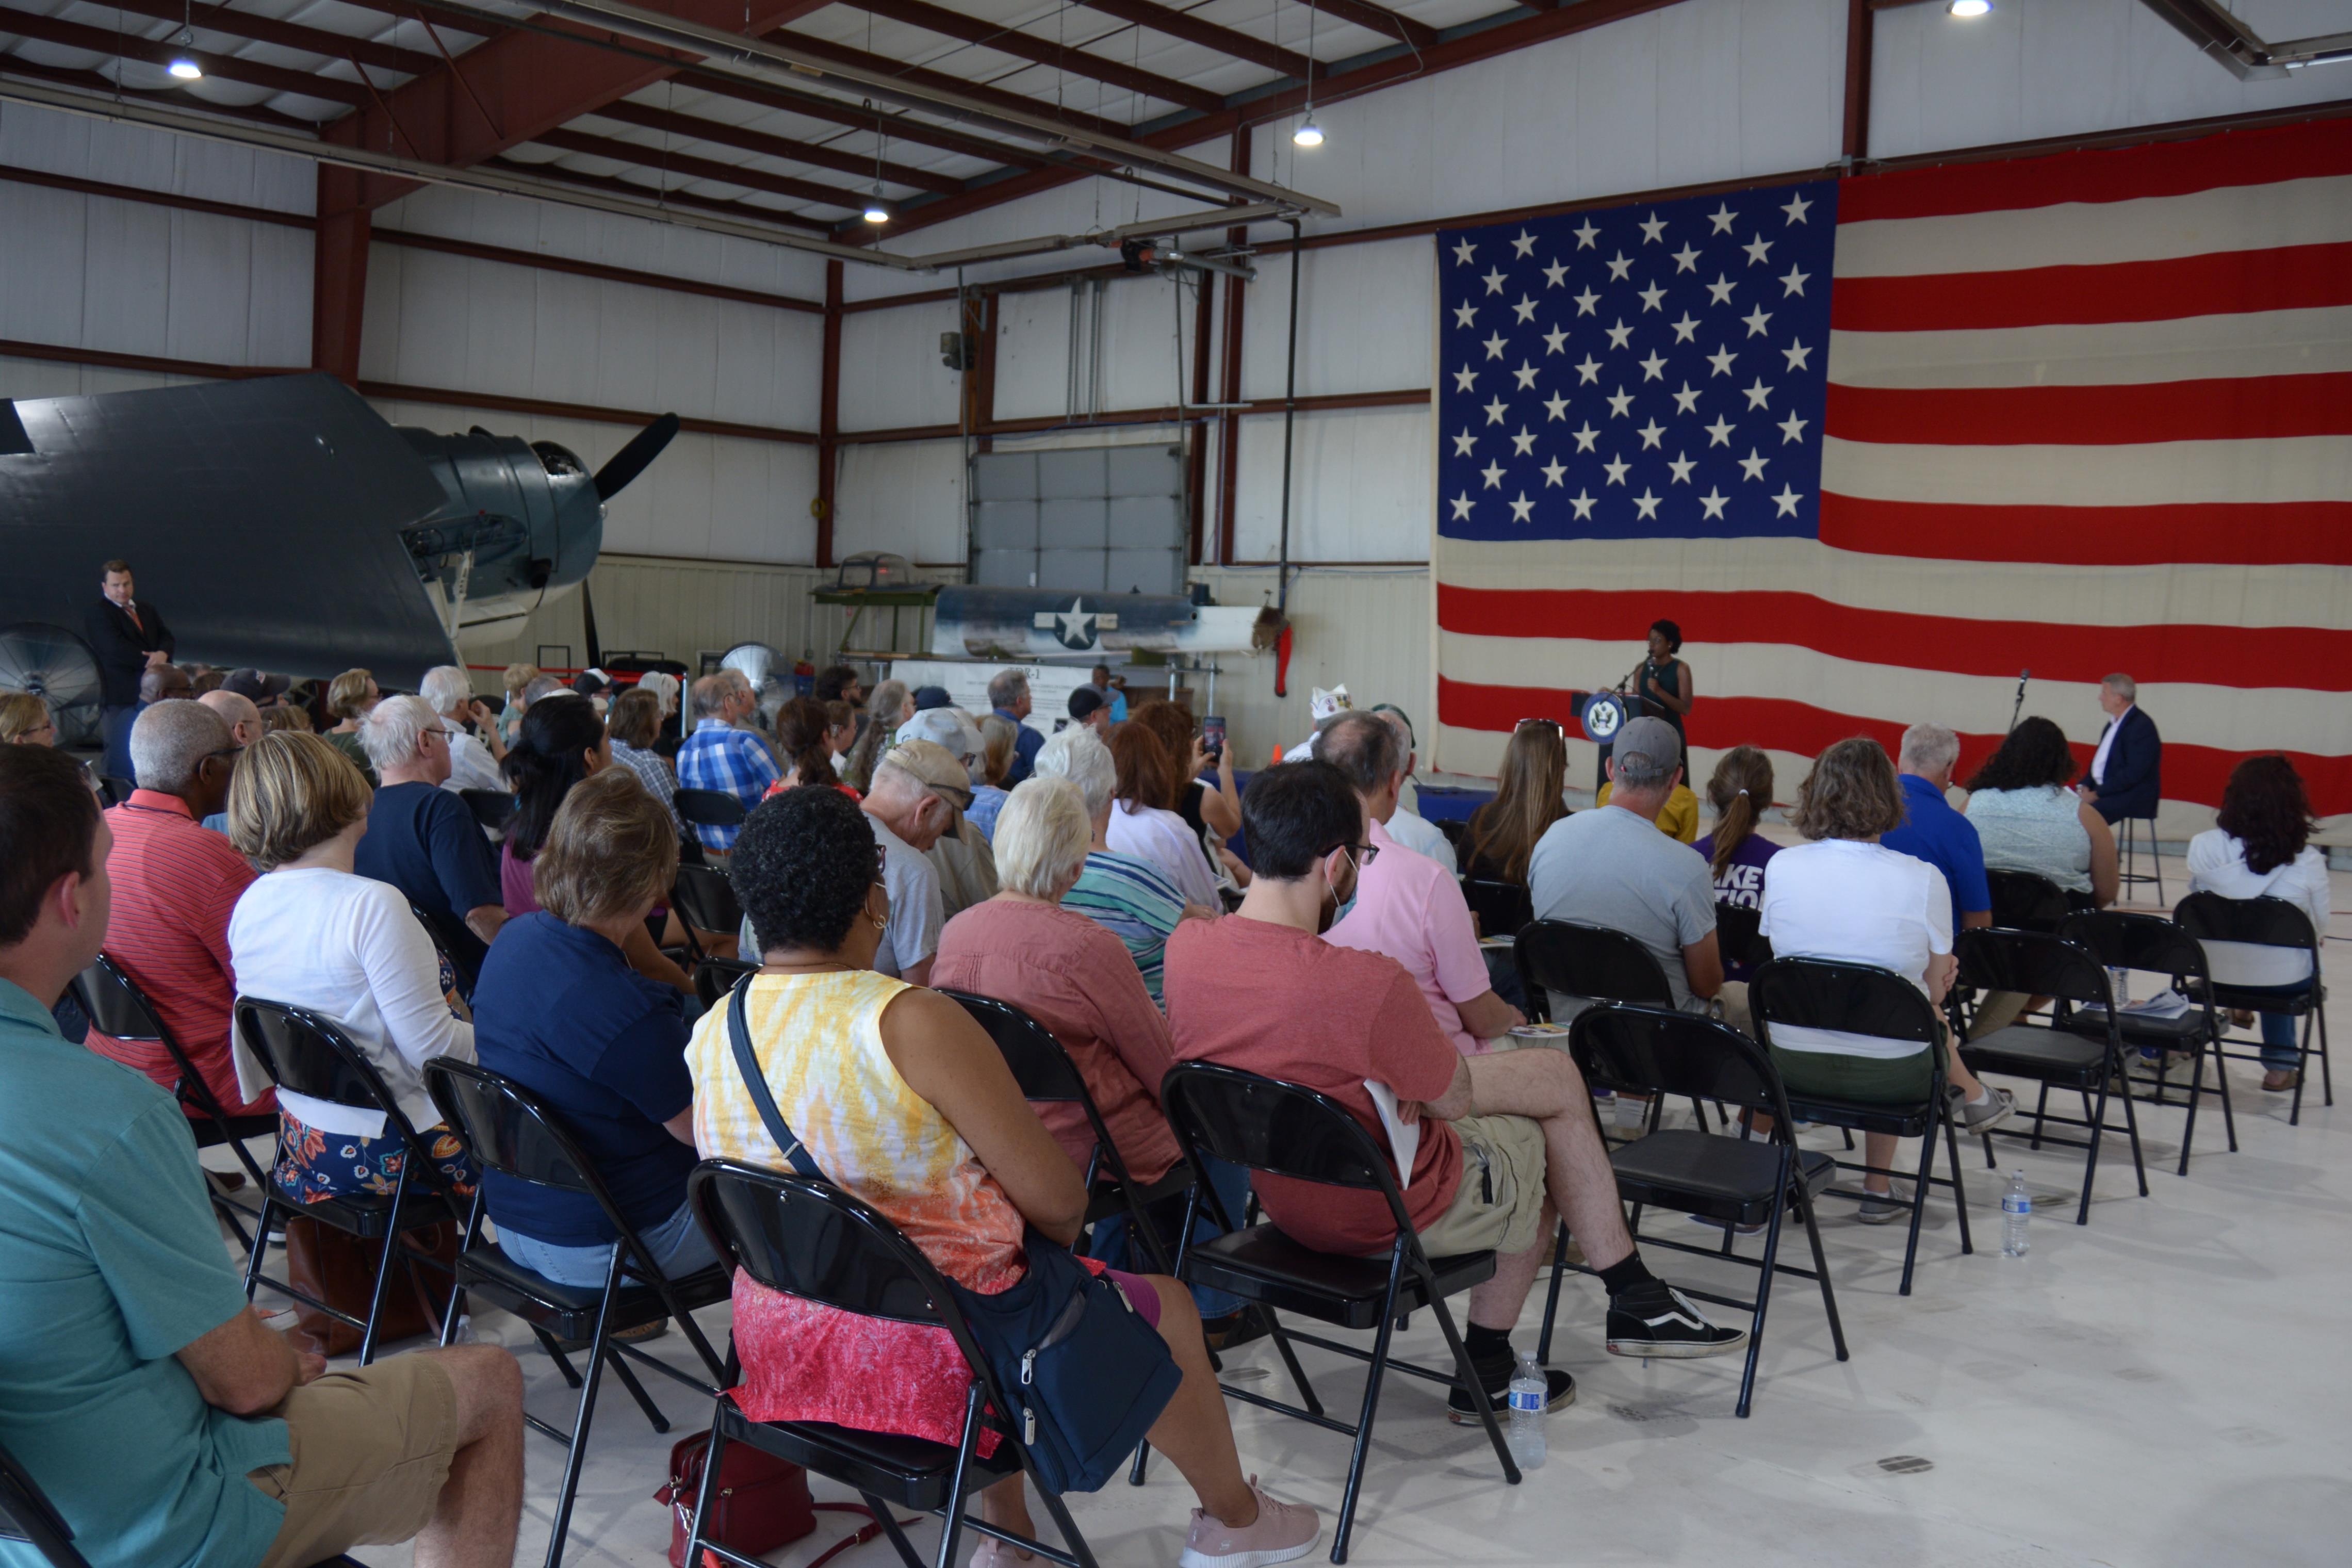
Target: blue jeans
{"x":678,"y":1244}
{"x":1115,"y":1249}
{"x":2280,"y":1052}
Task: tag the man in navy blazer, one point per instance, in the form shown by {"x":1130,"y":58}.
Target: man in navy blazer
{"x":129,"y":638}
{"x":2126,"y":773}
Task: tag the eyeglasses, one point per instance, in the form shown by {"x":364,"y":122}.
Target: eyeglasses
{"x":1358,"y":855}
{"x":881,"y":865}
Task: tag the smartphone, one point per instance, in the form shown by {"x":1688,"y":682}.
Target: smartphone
{"x":1213,"y":736}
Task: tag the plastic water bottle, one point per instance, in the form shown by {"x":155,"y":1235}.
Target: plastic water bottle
{"x":1528,"y":1392}
{"x":2016,"y":1208}
{"x":2120,"y":983}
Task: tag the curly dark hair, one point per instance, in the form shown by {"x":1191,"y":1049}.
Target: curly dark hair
{"x":546,"y":760}
{"x":2266,"y":807}
{"x":801,"y":869}
{"x":2035,"y":753}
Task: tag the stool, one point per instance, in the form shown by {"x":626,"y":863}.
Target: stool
{"x":2127,"y":877}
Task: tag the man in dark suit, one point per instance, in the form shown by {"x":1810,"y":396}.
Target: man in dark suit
{"x":2126,"y":773}
{"x":130,"y":638}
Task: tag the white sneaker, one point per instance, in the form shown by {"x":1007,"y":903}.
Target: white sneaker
{"x":1632,"y":1115}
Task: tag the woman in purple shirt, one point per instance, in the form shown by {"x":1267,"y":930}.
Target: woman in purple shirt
{"x":1736,"y":853}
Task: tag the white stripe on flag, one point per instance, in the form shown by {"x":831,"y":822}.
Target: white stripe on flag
{"x":2091,"y":234}
{"x":2161,"y":473}
{"x":2188,"y":347}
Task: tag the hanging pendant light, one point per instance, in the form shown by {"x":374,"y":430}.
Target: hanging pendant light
{"x":183,"y":64}
{"x":1308,"y":134}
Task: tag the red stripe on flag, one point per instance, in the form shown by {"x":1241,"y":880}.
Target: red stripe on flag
{"x":2234,"y":533}
{"x":2242,"y":408}
{"x":2220,"y":283}
{"x":2254,"y":657}
{"x":2315,"y":149}
{"x":2191,"y":773}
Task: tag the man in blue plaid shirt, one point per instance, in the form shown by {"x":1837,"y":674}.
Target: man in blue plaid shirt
{"x":724,"y":753}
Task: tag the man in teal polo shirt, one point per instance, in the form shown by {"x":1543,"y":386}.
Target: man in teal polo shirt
{"x":166,"y":1425}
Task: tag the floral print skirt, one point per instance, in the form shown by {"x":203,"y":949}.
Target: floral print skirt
{"x":313,"y":1166}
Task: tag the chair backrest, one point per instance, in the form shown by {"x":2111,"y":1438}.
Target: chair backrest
{"x":811,"y":1239}
{"x":2124,"y":941}
{"x":26,"y":1514}
{"x":492,"y":808}
{"x":1660,"y":1050}
{"x":115,"y":1003}
{"x":447,"y":948}
{"x":308,"y":1053}
{"x":1502,"y":907}
{"x":116,"y":789}
{"x":714,"y":977}
{"x":1739,"y":934}
{"x":709,"y":807}
{"x":1456,"y":831}
{"x":1267,"y":1125}
{"x":2023,"y":902}
{"x":1815,"y":994}
{"x":706,"y":900}
{"x":1040,"y":1065}
{"x":2030,"y":963}
{"x":1578,"y":959}
{"x":508,"y":1129}
{"x":2261,"y":922}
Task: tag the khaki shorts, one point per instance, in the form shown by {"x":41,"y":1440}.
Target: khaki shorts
{"x":1500,"y":1203}
{"x":370,"y":1453}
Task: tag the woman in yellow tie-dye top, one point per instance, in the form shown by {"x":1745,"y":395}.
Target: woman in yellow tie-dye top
{"x":903,"y":1101}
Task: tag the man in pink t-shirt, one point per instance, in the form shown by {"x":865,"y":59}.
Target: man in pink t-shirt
{"x":1407,"y":905}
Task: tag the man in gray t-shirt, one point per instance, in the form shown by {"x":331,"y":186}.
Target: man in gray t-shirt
{"x":1612,"y":866}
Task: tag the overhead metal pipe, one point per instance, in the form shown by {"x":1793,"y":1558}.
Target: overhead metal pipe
{"x":1289,"y":424}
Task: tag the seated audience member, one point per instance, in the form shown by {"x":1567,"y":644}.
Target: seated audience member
{"x":476,"y":749}
{"x":840,"y":683}
{"x":207,"y":678}
{"x":724,"y":753}
{"x":1129,"y":898}
{"x":1529,"y":798}
{"x":1594,"y":869}
{"x":349,"y":697}
{"x":1932,"y":831}
{"x":664,"y":685}
{"x":1736,"y":853}
{"x":633,"y":728}
{"x":542,"y":685}
{"x":1087,"y":708}
{"x":174,"y":887}
{"x":423,"y":840}
{"x":2261,"y":847}
{"x":966,"y":868}
{"x":2028,"y":819}
{"x":2126,"y":775}
{"x":901,"y":1097}
{"x":1260,"y":991}
{"x":560,"y":1011}
{"x":803,"y":736}
{"x":918,"y":790}
{"x":886,"y":710}
{"x":312,"y":932}
{"x":1009,"y":699}
{"x":24,"y":720}
{"x":1204,"y":808}
{"x":264,"y":691}
{"x":596,"y":686}
{"x":286,"y":717}
{"x":1677,"y":815}
{"x":1847,"y":898}
{"x":927,"y":698}
{"x":1408,"y":826}
{"x":1407,"y":906}
{"x":1142,"y":826}
{"x":997,"y":734}
{"x":246,"y":724}
{"x":840,"y":732}
{"x":162,"y":1421}
{"x":560,"y":742}
{"x":165,"y":683}
{"x":515,"y":683}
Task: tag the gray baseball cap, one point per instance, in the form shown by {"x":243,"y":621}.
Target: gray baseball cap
{"x":1647,"y":751}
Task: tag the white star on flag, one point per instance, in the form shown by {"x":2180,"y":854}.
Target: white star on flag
{"x":1584,"y":236}
{"x":1621,"y":403}
{"x":1494,"y":282}
{"x":1794,"y":282}
{"x":1651,"y":296}
{"x":1493,"y":473}
{"x":1464,"y":313}
{"x":1525,"y":310}
{"x":1556,"y":274}
{"x":1495,"y":410}
{"x":1686,"y":258}
{"x":1787,"y":501}
{"x":1791,"y":429}
{"x":1681,"y":465}
{"x":1523,"y":443}
{"x":1756,"y":319}
{"x":1583,"y":501}
{"x":1721,"y":359}
{"x":1620,"y":333}
{"x":1522,"y":508}
{"x":1615,"y":468}
{"x":1589,"y":372}
{"x":1654,"y":366}
{"x":1462,"y":504}
{"x":1721,"y":289}
{"x":1654,"y":228}
{"x":1756,"y":249}
{"x":1646,"y":504}
{"x":1556,"y":340}
{"x":1720,"y":433}
{"x":1682,"y":329}
{"x":1524,"y":246}
{"x":1554,"y":472}
{"x":1557,"y":406}
{"x":1619,"y":266}
{"x":1797,"y":206}
{"x":1465,"y":378}
{"x":1713,"y":501}
{"x":1650,"y":433}
{"x":1495,"y":346}
{"x":1721,"y":218}
{"x":1795,"y":353}
{"x":1686,"y":400}
{"x":1759,"y":393}
{"x":1526,"y":374}
{"x":1585,"y":436}
{"x":1754,"y":463}
{"x":1585,"y":302}
{"x":1463,"y":252}
{"x":1463,"y":442}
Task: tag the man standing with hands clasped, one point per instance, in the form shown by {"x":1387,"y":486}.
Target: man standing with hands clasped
{"x":129,"y":638}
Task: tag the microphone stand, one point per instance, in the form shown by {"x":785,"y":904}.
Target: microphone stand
{"x":2019,"y":706}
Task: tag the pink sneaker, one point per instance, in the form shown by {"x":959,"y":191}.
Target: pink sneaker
{"x":1282,"y":1530}
{"x":993,"y":1553}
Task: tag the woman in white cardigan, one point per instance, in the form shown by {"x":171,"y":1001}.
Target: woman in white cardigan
{"x":2262,"y":848}
{"x":311,"y":933}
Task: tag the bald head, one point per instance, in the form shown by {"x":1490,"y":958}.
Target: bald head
{"x":165,"y":683}
{"x":243,"y":719}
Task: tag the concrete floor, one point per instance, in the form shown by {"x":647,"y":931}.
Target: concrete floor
{"x":2162,"y":1389}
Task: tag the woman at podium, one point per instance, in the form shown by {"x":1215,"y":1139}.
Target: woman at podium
{"x":1663,"y":684}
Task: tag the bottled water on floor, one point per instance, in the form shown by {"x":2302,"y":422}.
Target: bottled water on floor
{"x":1528,"y":1392}
{"x":2120,"y":983}
{"x":2016,"y":1209}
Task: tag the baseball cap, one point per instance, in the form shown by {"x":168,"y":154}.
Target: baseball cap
{"x":589,"y":682}
{"x":1646,"y":751}
{"x":934,"y":764}
{"x":256,"y":686}
{"x":943,"y":727}
{"x":929,"y":696}
{"x":1084,"y":701}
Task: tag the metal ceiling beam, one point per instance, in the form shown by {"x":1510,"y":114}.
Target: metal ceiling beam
{"x":630,"y":113}
{"x":896,"y":82}
{"x":219,"y":18}
{"x":1241,"y":45}
{"x":2246,"y":53}
{"x":629,"y":190}
{"x":1381,"y":19}
{"x":685,"y":164}
{"x":175,"y":96}
{"x":132,"y":46}
{"x":1042,"y":51}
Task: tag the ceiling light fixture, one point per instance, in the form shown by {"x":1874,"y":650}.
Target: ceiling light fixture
{"x":1308,"y":134}
{"x":1967,"y":10}
{"x":183,"y":64}
{"x":877,"y":210}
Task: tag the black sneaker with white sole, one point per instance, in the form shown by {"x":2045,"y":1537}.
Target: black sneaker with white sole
{"x":1495,"y":1374}
{"x":1655,"y":1319}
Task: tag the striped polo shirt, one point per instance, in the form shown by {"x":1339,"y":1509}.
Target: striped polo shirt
{"x":174,"y":885}
{"x":1135,"y":901}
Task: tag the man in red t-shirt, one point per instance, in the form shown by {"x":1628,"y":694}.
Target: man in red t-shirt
{"x":1506,"y":1140}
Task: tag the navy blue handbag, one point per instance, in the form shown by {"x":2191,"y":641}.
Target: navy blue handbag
{"x":1089,"y":1375}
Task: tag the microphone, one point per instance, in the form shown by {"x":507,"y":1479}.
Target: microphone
{"x":2019,"y":706}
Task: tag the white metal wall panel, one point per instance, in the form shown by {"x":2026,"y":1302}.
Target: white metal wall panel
{"x":1367,"y":627}
{"x":1147,"y":343}
{"x":127,"y":260}
{"x":154,"y":159}
{"x":891,"y":374}
{"x":42,"y":240}
{"x":1360,"y":486}
{"x":905,"y":496}
{"x":1363,"y":319}
{"x":1033,"y":354}
{"x":2064,"y":68}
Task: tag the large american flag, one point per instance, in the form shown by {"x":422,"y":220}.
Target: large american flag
{"x":1880,"y":444}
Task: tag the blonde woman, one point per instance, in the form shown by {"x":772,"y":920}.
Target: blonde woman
{"x":311,"y":933}
{"x":24,"y":720}
{"x":350,"y":696}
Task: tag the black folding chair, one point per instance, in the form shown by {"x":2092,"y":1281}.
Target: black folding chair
{"x":308,"y":1053}
{"x":1281,"y":1128}
{"x":510,"y":1130}
{"x":2054,"y":1056}
{"x":1501,"y":908}
{"x":2267,"y":922}
{"x":26,"y":1514}
{"x":2152,"y":944}
{"x":1737,"y":1181}
{"x":1595,"y":962}
{"x":115,"y":789}
{"x":467,"y":975}
{"x":1809,"y":993}
{"x":704,"y":902}
{"x":492,"y":808}
{"x":1739,"y":935}
{"x":811,"y":1239}
{"x":2023,"y":902}
{"x":117,"y":1008}
{"x":714,"y":977}
{"x":707,"y":808}
{"x":1456,"y":831}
